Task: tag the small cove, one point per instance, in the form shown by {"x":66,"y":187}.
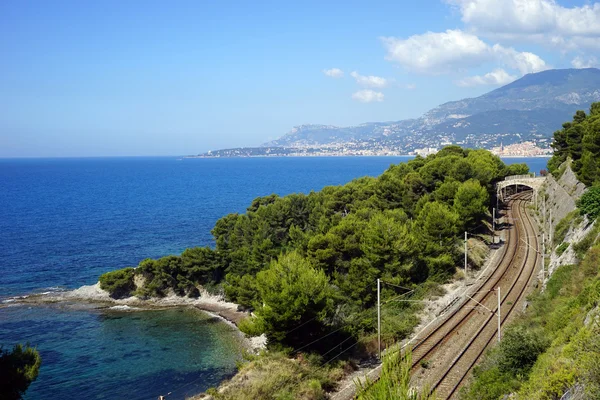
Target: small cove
{"x":107,"y":353}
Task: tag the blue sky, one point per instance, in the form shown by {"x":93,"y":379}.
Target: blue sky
{"x":174,"y":78}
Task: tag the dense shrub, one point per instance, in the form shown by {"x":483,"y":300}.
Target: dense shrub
{"x":118,"y":283}
{"x":520,"y":348}
{"x":18,"y":368}
{"x":589,"y":203}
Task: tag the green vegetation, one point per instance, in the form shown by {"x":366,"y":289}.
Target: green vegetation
{"x":307,"y":265}
{"x":18,"y":368}
{"x":562,"y":248}
{"x":579,"y":141}
{"x":589,"y":203}
{"x":394,"y":382}
{"x":274,"y":375}
{"x":562,"y":228}
{"x":584,"y":244}
{"x":293,"y":293}
{"x":118,"y":283}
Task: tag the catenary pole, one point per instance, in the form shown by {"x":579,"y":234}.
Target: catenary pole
{"x":543,"y":257}
{"x":466,"y":265}
{"x":494,"y":226}
{"x":499,"y":317}
{"x":379,"y":317}
{"x":550,"y":238}
{"x":544,"y":217}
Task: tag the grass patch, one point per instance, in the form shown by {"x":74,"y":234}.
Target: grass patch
{"x":584,"y":244}
{"x":477,"y":252}
{"x":562,"y":248}
{"x":561,"y":170}
{"x":394,"y":382}
{"x":562,"y":228}
{"x":275,"y":376}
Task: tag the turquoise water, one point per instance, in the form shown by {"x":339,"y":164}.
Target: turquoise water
{"x":63,"y":222}
{"x":104,"y":354}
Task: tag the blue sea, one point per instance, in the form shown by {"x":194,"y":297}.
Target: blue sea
{"x":63,"y":222}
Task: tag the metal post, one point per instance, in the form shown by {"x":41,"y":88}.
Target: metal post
{"x":499,"y":317}
{"x":543,"y":257}
{"x":379,"y":317}
{"x":550,"y":238}
{"x":544,"y":217}
{"x":494,"y":226}
{"x":466,"y":266}
{"x":499,"y":193}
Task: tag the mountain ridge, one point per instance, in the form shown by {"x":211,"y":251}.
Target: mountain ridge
{"x":553,"y":93}
{"x":528,"y":109}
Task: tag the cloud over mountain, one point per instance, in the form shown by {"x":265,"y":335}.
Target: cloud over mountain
{"x":496,"y":77}
{"x":452,"y":50}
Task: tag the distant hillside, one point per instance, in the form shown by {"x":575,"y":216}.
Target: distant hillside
{"x":531,"y":108}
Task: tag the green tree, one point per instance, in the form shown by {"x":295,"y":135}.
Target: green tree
{"x":446,"y":191}
{"x":580,"y":141}
{"x":390,"y":246}
{"x":201,"y":264}
{"x":18,"y":368}
{"x":241,"y":290}
{"x":119,"y":283}
{"x":439,"y":223}
{"x":291,"y":292}
{"x":471,"y":203}
{"x":517,"y":169}
{"x":486,"y":167}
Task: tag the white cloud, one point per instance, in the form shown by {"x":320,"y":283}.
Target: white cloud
{"x":368,"y":96}
{"x":334,"y":72}
{"x":525,"y":62}
{"x":410,"y":86}
{"x":437,"y":52}
{"x":369,"y":81}
{"x":581,"y":62}
{"x":453,"y":50}
{"x":497,"y":77}
{"x":541,"y":21}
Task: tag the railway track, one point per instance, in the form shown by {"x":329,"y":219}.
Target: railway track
{"x":472,"y":329}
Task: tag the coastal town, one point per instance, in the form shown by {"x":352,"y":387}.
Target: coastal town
{"x":522,"y":149}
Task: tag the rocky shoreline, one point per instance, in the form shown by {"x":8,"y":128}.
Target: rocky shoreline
{"x":93,"y":296}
